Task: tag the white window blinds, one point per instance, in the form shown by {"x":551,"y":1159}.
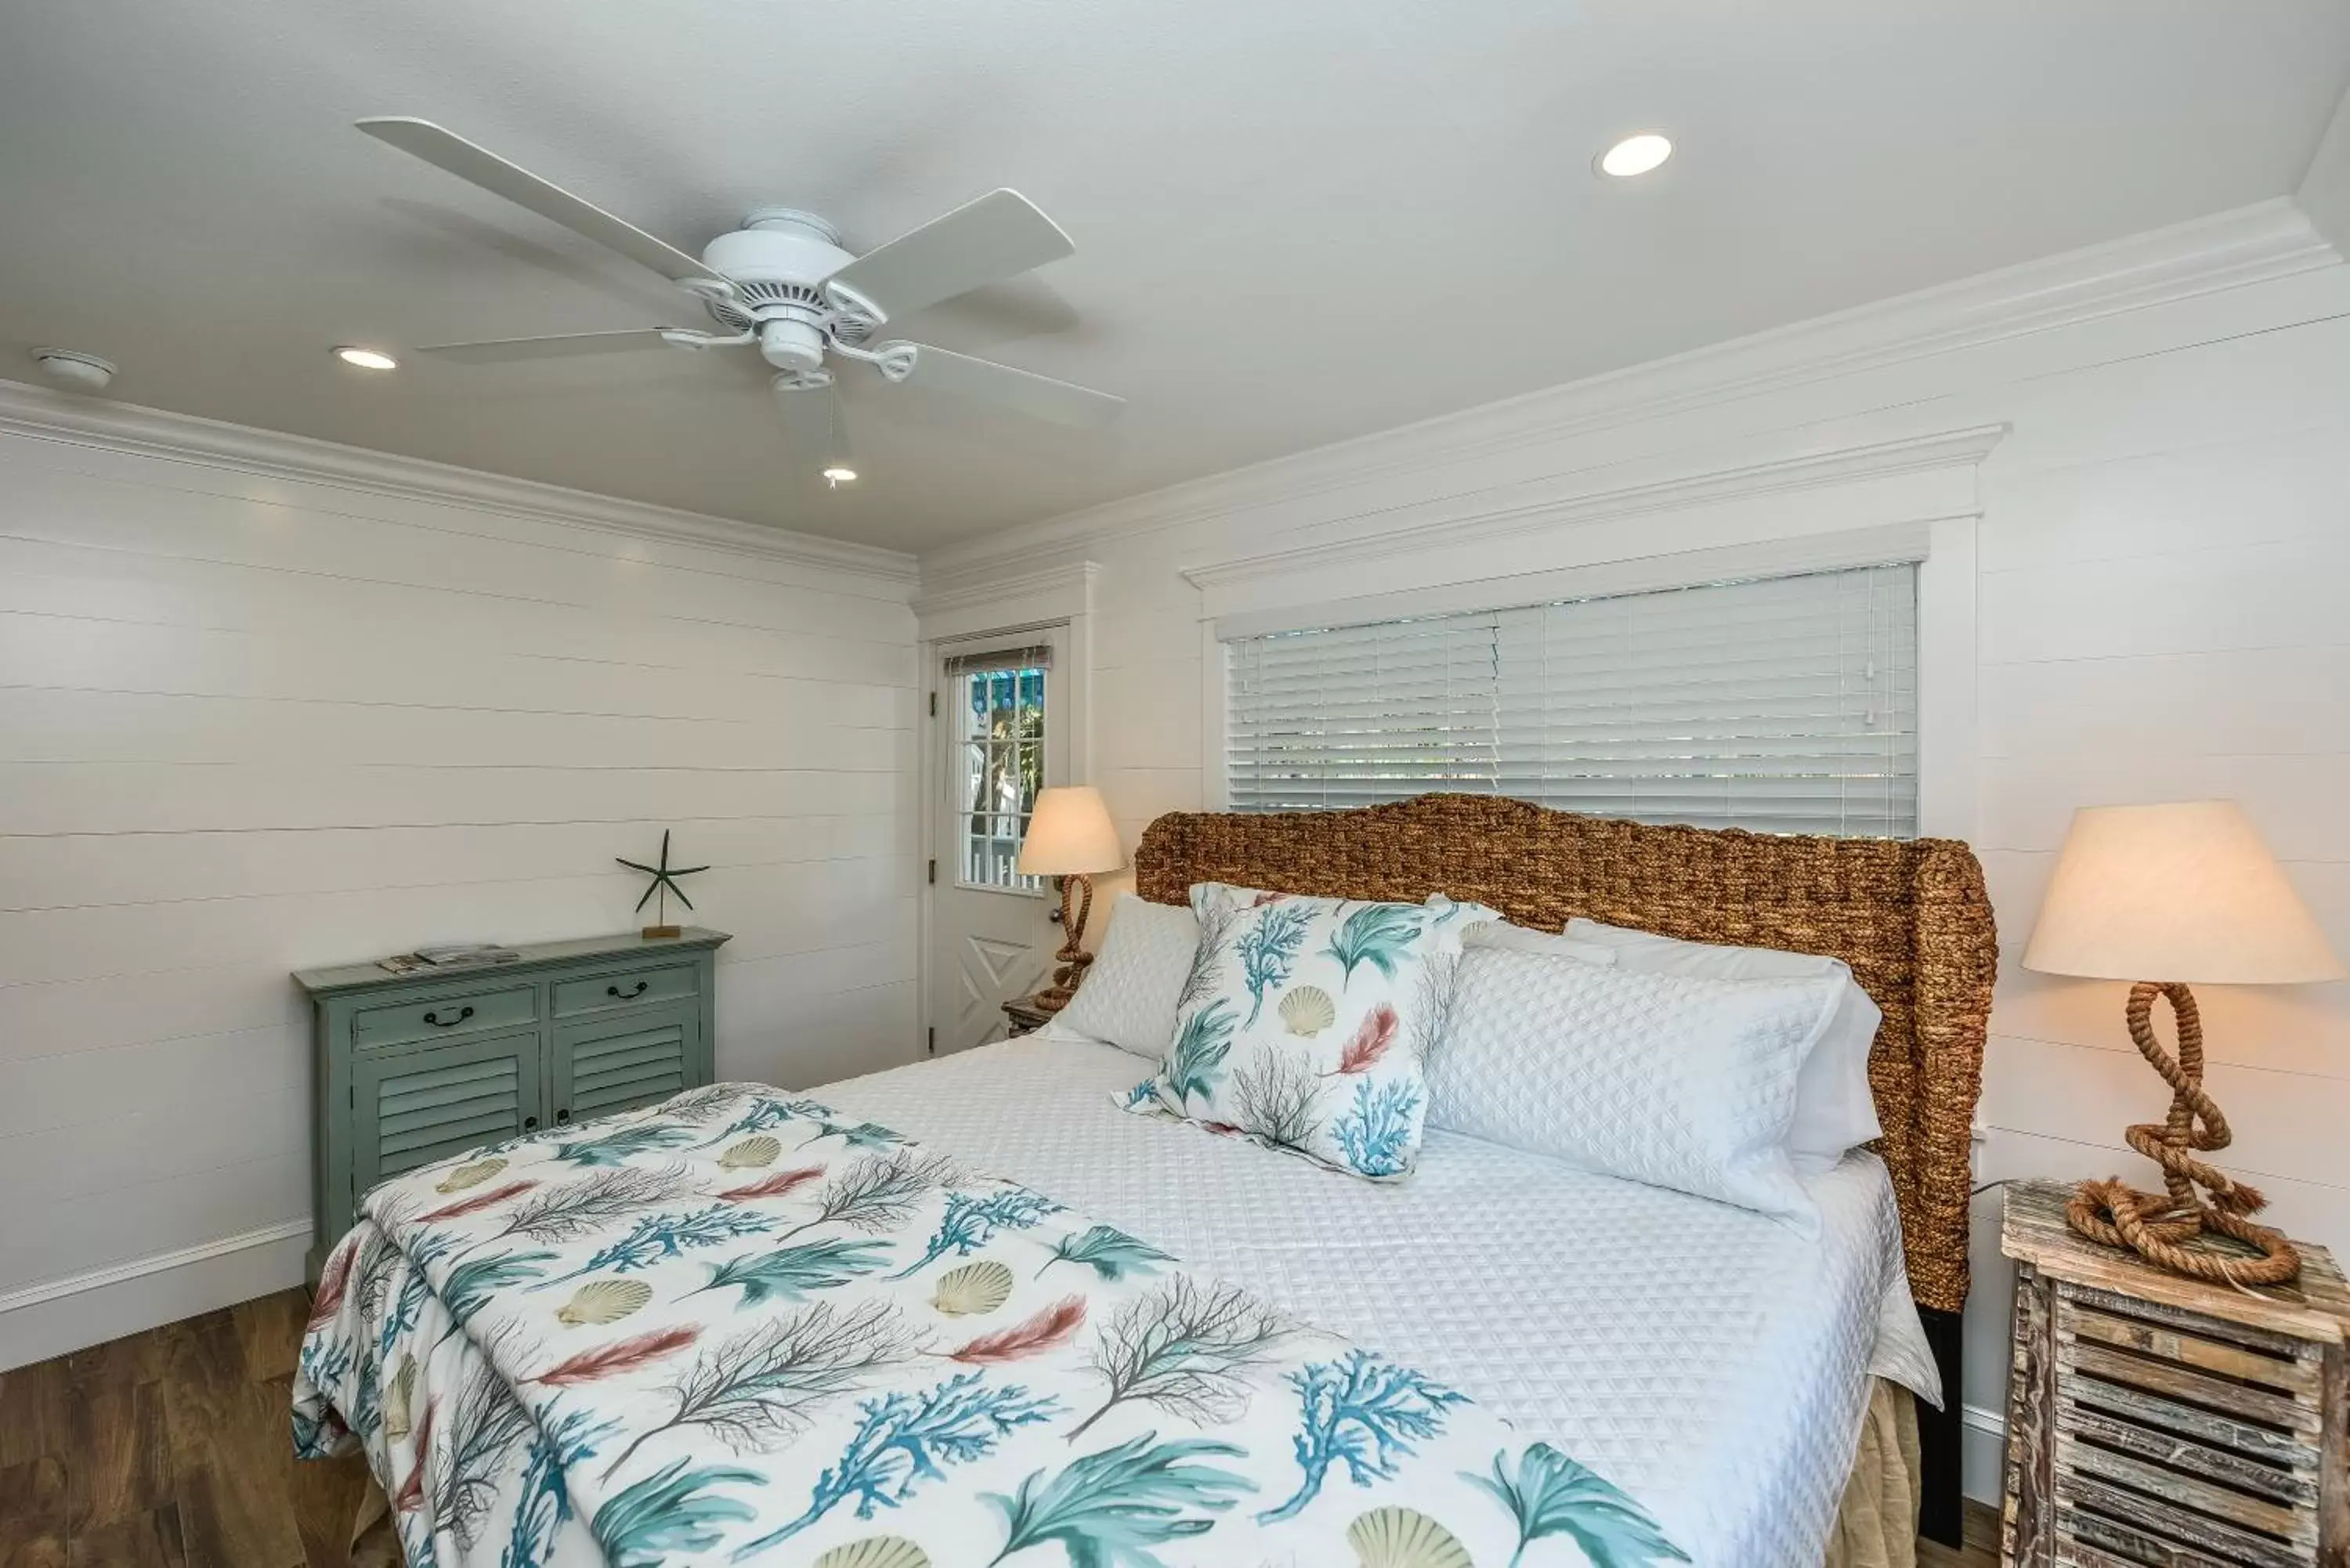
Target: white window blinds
{"x":1782,"y":704}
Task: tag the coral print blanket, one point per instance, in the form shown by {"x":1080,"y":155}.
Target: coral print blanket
{"x":738,"y":1329}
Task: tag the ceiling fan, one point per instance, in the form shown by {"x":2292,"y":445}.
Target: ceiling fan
{"x":782,"y":283}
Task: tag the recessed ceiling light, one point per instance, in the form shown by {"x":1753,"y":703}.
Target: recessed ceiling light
{"x":1635,"y":155}
{"x":839,"y":473}
{"x":366,"y":359}
{"x":71,"y":368}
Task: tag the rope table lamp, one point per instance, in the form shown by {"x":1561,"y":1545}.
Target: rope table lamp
{"x":1071,"y":836}
{"x":2187,"y":892}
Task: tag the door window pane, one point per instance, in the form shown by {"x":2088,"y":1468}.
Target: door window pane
{"x":1001,"y":750}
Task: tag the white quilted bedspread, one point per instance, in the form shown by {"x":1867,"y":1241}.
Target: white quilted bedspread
{"x":1711,"y":1360}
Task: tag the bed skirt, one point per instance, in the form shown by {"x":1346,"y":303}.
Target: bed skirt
{"x":1876,"y":1526}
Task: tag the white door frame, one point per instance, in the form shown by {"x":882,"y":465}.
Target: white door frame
{"x":1058,"y":598}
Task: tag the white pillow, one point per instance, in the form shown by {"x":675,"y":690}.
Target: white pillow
{"x":1659,"y":1078}
{"x":1128,"y":997}
{"x":1526,"y":940}
{"x":1834,"y":1110}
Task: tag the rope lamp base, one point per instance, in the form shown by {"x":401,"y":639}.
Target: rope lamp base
{"x":2159,"y":1227}
{"x":1077,"y":908}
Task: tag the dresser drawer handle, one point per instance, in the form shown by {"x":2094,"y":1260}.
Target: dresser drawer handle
{"x":434,"y":1018}
{"x":642,"y":987}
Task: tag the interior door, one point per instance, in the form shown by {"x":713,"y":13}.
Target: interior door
{"x":1000,"y":741}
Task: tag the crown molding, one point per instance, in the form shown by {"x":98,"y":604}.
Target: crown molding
{"x":43,"y":415}
{"x":2259,"y":243}
{"x":2324,"y":190}
{"x":1469,"y":524}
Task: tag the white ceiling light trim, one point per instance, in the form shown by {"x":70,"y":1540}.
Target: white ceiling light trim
{"x":72,"y":369}
{"x":1635,"y":155}
{"x":131,"y":428}
{"x":2257,"y":243}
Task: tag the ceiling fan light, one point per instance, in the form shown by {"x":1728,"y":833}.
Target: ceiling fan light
{"x":1635,"y":155}
{"x":366,"y":359}
{"x":837,"y":475}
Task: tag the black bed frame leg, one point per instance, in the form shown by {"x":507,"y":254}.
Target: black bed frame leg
{"x":1941,"y":1510}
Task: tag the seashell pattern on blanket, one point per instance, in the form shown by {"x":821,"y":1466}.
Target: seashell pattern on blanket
{"x":1401,"y":1538}
{"x":973,"y":1289}
{"x":471,"y":1175}
{"x":876,"y":1552}
{"x":399,"y":1399}
{"x":603,"y":1300}
{"x":751,"y":1153}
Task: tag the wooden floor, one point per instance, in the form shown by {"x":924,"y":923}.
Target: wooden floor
{"x":173,"y":1449}
{"x":170,"y":1447}
{"x":1981,"y":1550}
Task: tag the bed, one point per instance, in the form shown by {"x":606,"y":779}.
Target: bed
{"x":1911,"y":918}
{"x":1709,"y":1362}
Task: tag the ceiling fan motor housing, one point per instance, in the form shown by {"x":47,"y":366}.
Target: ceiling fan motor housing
{"x":779,"y":259}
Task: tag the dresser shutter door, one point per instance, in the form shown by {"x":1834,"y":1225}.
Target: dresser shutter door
{"x":413,"y":1108}
{"x":625,"y":1061}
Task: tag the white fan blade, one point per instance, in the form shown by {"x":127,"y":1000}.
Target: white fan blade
{"x":497,"y":349}
{"x":998,"y":237}
{"x":1039,"y":396}
{"x":479,"y":166}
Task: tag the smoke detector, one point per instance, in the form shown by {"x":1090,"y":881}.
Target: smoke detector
{"x":75,"y":370}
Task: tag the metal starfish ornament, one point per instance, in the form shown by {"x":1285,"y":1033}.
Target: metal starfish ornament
{"x":664,"y":883}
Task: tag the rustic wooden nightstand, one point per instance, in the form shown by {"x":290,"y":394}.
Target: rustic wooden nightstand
{"x":2158,"y":1420}
{"x":1025,"y":1016}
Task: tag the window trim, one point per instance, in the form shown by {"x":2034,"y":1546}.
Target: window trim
{"x":1943,"y":548}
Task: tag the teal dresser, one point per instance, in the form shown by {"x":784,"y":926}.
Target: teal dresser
{"x":410,"y":1069}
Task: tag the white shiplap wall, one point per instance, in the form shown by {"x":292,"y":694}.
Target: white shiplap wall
{"x":252,"y":719}
{"x":2163,"y":559}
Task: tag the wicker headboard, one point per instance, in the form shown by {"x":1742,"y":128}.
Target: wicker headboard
{"x":1910,"y":918}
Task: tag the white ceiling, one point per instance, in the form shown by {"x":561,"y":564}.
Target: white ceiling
{"x":1297,"y":220}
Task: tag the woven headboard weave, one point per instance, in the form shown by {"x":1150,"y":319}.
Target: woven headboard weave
{"x":1911,"y":918}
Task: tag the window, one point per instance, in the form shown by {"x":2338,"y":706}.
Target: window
{"x":998,"y":700}
{"x":1783,"y":704}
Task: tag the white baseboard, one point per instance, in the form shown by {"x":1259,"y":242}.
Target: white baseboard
{"x":1983,"y":1449}
{"x":55,"y":1316}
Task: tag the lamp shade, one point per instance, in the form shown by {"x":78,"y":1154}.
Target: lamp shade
{"x":1070,"y":833}
{"x":2184,"y":892}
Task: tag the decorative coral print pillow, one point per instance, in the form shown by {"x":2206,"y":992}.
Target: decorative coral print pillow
{"x":1303,"y":1023}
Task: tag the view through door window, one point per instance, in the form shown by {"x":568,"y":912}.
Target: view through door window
{"x":1002,"y":712}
